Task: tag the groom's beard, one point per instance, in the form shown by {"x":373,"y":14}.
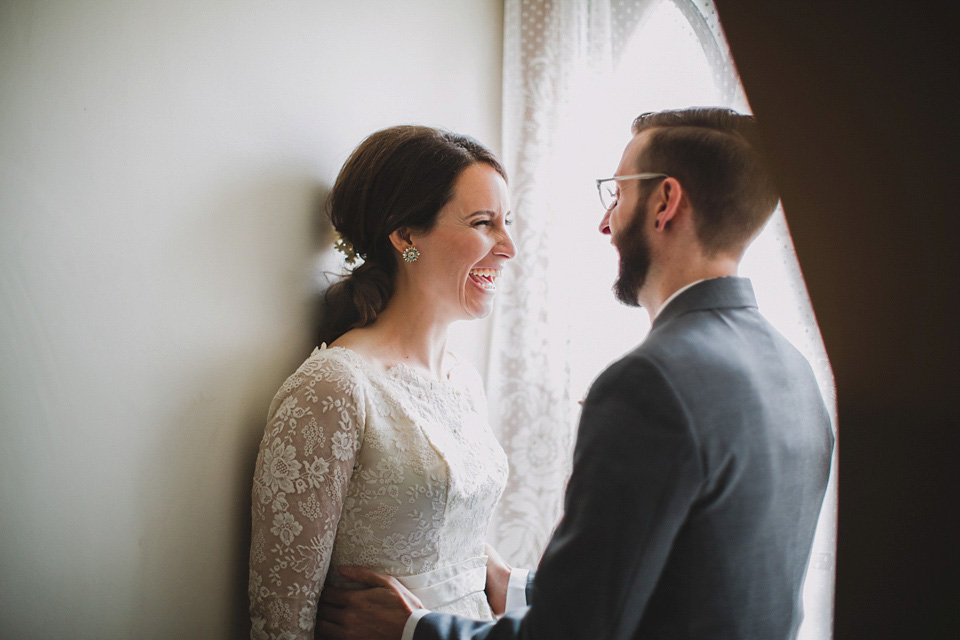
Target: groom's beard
{"x":634,"y":248}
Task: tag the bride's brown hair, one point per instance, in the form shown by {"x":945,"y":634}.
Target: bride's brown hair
{"x":397,"y":177}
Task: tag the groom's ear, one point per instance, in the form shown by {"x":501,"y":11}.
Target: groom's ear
{"x":670,"y":201}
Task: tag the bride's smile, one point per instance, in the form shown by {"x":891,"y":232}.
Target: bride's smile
{"x":462,"y":257}
{"x":485,"y":278}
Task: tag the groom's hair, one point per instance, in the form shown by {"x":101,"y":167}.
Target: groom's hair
{"x":716,"y":155}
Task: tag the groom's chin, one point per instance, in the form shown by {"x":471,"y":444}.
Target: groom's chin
{"x":625,"y":293}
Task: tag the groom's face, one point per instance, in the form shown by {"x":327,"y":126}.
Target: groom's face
{"x":626,"y":224}
{"x":633,"y":244}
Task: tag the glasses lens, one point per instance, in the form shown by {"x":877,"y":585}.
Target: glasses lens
{"x":608,"y":195}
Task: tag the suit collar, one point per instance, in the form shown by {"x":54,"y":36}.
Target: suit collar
{"x":716,"y":293}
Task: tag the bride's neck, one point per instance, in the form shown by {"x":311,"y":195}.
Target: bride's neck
{"x":409,"y":333}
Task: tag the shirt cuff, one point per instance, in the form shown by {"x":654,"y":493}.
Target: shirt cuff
{"x":411,"y":626}
{"x":516,"y":589}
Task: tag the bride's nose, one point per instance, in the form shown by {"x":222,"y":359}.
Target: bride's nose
{"x":505,"y":247}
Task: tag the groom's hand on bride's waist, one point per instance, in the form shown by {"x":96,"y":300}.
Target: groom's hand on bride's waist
{"x":377,"y":613}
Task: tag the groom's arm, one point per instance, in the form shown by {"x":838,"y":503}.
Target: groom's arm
{"x":518,"y":593}
{"x":636,"y":472}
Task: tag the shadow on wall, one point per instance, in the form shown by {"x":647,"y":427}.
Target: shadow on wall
{"x":195,"y":537}
{"x":323,"y":270}
{"x":328,"y":267}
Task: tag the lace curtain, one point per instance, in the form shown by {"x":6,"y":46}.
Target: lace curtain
{"x":576,"y":72}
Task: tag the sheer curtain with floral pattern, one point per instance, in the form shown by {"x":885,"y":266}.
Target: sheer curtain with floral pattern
{"x":576,"y":73}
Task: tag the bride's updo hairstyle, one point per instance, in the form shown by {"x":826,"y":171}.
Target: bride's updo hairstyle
{"x":397,"y":177}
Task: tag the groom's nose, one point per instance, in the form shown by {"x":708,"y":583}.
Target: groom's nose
{"x":605,"y":222}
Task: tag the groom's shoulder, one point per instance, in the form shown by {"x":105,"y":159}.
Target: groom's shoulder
{"x":640,"y":368}
{"x":681,"y":338}
{"x":672,"y":352}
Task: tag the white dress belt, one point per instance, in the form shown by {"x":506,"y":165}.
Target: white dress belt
{"x":448,"y":584}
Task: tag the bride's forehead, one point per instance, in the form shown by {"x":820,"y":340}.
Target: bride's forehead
{"x":478,"y":187}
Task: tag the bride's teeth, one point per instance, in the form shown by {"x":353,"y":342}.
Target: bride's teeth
{"x":485,"y":272}
{"x":485,"y":277}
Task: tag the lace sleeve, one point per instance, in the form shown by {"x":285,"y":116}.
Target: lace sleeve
{"x":301,"y":478}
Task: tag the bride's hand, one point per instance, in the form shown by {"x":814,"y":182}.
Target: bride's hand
{"x":498,"y":576}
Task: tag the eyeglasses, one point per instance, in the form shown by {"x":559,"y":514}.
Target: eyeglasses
{"x":610,"y":193}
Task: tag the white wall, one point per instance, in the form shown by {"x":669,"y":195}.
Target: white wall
{"x":161,"y":168}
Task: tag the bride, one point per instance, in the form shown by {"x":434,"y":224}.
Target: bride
{"x":377,"y":451}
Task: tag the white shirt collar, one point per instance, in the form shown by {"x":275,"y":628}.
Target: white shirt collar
{"x":675,"y":294}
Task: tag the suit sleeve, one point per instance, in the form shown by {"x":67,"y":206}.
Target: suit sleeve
{"x":636,"y":472}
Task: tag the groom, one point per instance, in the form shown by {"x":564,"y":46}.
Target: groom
{"x":702,"y":455}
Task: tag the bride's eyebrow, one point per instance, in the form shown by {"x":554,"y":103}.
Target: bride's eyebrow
{"x":484,"y":213}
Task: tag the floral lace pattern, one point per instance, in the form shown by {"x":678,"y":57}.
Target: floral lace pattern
{"x":358,"y":466}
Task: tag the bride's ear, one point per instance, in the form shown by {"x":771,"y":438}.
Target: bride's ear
{"x":401,"y":239}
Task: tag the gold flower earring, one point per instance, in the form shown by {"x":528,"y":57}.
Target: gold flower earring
{"x":410,"y":254}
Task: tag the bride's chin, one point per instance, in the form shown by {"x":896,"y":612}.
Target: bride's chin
{"x":479,"y":313}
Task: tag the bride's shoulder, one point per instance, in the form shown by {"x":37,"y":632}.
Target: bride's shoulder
{"x":357,"y":345}
{"x":334,"y":362}
{"x":327,"y":380}
{"x":333,"y":368}
{"x":326,"y":373}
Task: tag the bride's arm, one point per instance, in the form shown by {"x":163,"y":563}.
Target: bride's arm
{"x":498,"y":577}
{"x":507,"y":587}
{"x":302,"y":474}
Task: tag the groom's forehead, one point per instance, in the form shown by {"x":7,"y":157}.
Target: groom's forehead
{"x":630,"y":161}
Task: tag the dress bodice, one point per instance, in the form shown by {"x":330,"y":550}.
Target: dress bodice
{"x":386,"y":469}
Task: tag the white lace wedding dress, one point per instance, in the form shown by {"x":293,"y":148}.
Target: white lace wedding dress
{"x":389,"y":470}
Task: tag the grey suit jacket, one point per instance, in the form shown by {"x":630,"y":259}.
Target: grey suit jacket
{"x":699,"y":470}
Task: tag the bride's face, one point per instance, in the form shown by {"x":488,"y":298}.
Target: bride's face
{"x":462,"y":256}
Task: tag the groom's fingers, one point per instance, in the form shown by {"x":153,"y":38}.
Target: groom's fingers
{"x":330,"y":630}
{"x":343,"y":599}
{"x":332,"y":595}
{"x":385,"y":593}
{"x":330,"y":613}
{"x":366,"y":576}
